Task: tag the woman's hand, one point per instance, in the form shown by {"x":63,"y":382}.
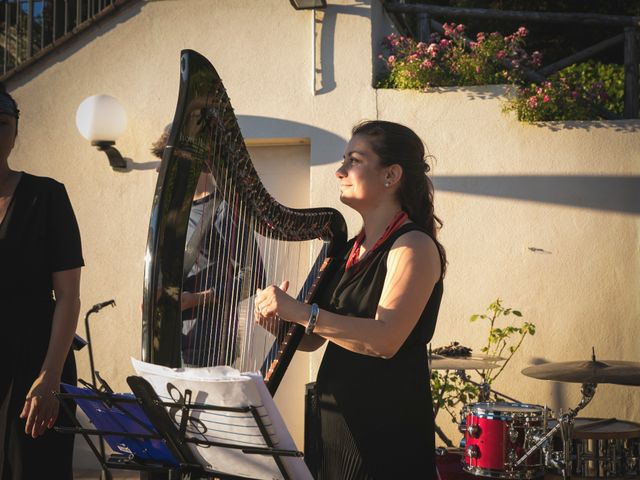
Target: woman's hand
{"x":191,"y":300}
{"x":41,"y":405}
{"x":273,"y":302}
{"x":188,"y":300}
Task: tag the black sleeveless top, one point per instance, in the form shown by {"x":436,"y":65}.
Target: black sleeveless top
{"x":375,"y":415}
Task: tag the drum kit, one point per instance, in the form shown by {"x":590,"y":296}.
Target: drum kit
{"x":514,"y":440}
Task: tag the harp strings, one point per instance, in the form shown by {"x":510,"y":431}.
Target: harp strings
{"x":238,"y":254}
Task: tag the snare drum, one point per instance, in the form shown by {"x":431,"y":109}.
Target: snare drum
{"x":498,"y":434}
{"x":603,"y":448}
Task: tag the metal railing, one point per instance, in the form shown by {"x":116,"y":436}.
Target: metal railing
{"x":29,"y":29}
{"x":629,"y":37}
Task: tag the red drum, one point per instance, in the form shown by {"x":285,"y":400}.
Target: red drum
{"x":498,"y":434}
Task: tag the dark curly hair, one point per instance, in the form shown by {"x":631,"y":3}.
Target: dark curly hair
{"x":396,"y":144}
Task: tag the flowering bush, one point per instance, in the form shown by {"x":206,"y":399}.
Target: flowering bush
{"x":579,"y":92}
{"x":447,"y":61}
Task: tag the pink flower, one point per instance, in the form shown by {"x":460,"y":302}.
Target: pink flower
{"x":536,"y":58}
{"x":532,"y":102}
{"x":426,"y":64}
{"x":500,"y":54}
{"x":477,"y":69}
{"x":448,"y":28}
{"x":523,"y":32}
{"x":546,"y":98}
{"x":480,"y":37}
{"x":391,"y":59}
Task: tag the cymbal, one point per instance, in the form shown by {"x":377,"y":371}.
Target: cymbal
{"x":599,"y":371}
{"x":440,"y":362}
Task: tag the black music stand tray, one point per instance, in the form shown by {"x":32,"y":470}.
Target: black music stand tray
{"x":141,"y":425}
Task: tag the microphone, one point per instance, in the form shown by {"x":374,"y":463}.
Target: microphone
{"x":99,"y":306}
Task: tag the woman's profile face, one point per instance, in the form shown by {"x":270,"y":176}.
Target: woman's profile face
{"x":361,"y":176}
{"x":7,"y":134}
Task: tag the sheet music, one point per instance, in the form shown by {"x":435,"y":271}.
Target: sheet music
{"x":227,"y":387}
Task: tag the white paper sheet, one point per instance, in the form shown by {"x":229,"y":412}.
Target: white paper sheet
{"x":227,"y":387}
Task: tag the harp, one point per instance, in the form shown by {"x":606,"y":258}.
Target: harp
{"x":214,"y":229}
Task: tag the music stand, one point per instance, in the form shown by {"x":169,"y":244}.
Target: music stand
{"x":144,"y":437}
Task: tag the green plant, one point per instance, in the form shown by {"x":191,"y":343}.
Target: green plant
{"x":502,"y":342}
{"x":579,"y":92}
{"x":451,"y":391}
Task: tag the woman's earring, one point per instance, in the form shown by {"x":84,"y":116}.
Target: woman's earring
{"x":387,"y":183}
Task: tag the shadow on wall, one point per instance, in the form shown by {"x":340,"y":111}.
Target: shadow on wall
{"x":331,"y":145}
{"x":559,"y":397}
{"x":327,"y":26}
{"x":609,"y":193}
{"x":621,"y":126}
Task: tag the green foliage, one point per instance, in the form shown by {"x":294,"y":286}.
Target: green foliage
{"x":579,"y":92}
{"x":449,"y":391}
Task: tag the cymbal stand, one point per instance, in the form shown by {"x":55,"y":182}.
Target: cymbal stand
{"x":565,"y":425}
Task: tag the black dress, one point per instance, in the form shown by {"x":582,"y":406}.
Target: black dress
{"x":376,"y":418}
{"x":38,"y":236}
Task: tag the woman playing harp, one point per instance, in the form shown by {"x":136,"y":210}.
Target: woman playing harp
{"x":260,"y":239}
{"x":377,"y":312}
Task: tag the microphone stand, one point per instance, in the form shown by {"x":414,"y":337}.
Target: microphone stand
{"x":104,"y":474}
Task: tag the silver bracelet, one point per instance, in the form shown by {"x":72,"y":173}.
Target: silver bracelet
{"x":313,"y":319}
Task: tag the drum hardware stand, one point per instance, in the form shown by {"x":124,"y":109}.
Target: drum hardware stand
{"x":565,"y":425}
{"x":164,"y":428}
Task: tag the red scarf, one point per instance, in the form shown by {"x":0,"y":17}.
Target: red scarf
{"x":354,"y":254}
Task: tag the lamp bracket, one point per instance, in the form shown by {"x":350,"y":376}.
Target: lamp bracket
{"x":116,"y":160}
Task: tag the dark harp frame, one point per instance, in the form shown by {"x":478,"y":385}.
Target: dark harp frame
{"x":182,"y":162}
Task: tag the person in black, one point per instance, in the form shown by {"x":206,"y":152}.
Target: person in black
{"x":40,"y":260}
{"x":378,"y":313}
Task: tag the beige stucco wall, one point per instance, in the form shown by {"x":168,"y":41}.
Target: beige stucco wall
{"x":579,"y":288}
{"x":544,"y":217}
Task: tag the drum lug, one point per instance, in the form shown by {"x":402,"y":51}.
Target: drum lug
{"x":473,"y":431}
{"x":472,"y":451}
{"x":513,"y":434}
